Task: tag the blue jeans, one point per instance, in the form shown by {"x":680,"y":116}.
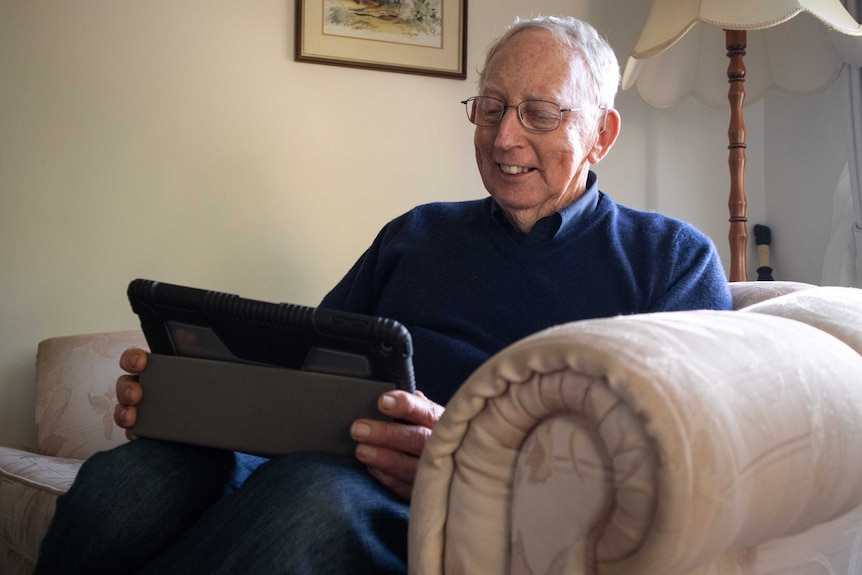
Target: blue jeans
{"x":155,"y":507}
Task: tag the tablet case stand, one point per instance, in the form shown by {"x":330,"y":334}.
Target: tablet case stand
{"x":259,"y":377}
{"x":278,"y":410}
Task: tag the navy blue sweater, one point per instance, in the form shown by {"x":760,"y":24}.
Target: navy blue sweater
{"x":466,"y":283}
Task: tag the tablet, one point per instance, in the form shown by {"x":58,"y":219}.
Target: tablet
{"x":260,"y":377}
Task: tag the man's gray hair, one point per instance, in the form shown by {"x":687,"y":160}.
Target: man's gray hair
{"x":599,"y":57}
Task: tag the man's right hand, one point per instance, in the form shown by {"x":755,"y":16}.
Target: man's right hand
{"x":129,"y":391}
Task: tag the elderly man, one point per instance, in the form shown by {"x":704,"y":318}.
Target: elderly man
{"x":467,"y":279}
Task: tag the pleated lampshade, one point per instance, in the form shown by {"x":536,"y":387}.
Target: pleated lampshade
{"x":800,"y":48}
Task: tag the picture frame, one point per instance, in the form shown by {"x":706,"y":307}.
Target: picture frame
{"x":426,"y":37}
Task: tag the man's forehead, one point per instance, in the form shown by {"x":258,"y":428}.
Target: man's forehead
{"x":537,"y":58}
{"x":539,"y":45}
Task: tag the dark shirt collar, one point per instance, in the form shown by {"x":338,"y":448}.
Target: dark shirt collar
{"x":549,"y":226}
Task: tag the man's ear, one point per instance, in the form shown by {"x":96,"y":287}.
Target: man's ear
{"x":609,"y":129}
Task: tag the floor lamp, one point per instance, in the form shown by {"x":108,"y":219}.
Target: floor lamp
{"x":798,"y":46}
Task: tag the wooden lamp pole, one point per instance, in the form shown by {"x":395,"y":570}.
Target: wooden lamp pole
{"x":738,"y":235}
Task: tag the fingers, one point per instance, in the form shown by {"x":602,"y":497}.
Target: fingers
{"x":394,"y":469}
{"x":133,"y":360}
{"x":129,"y":391}
{"x":414,"y":416}
{"x":398,"y":465}
{"x":391,"y":449}
{"x":391,"y":435}
{"x":411,"y":407}
{"x":125,"y":417}
{"x":401,"y":488}
{"x":129,"y":394}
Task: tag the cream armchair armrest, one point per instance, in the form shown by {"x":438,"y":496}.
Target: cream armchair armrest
{"x":673,"y":443}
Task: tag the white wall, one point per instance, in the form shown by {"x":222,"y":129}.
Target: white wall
{"x":812,"y":131}
{"x":178,"y":140}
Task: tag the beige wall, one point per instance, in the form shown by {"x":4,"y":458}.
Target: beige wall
{"x":178,"y":140}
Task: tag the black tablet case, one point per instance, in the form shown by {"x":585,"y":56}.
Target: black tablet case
{"x":259,"y":377}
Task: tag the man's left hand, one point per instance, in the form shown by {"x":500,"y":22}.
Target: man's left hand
{"x":391,"y":449}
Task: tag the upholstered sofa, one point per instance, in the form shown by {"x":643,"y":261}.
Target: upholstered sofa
{"x":708,"y":443}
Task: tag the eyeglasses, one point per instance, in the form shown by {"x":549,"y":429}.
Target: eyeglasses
{"x":535,"y":115}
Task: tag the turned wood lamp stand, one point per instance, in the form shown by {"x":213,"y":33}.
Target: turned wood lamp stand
{"x":738,"y":235}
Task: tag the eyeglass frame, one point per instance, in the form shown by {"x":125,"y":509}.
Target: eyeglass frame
{"x":517,"y":108}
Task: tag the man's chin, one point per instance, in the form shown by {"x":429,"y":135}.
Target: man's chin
{"x":515,"y":200}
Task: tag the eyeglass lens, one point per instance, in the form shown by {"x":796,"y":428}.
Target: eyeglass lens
{"x":533,"y":114}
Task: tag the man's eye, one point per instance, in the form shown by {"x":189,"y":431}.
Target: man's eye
{"x":490,"y":110}
{"x":541,"y":115}
{"x":539,"y":118}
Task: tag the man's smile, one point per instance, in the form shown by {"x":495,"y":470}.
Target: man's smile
{"x":514,"y":169}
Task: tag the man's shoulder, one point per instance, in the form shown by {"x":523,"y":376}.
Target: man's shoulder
{"x":650,"y":223}
{"x":444,"y":213}
{"x":451,"y":208}
{"x":436,"y":218}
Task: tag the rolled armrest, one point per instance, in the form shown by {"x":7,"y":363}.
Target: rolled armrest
{"x":649,"y":444}
{"x":75,"y":392}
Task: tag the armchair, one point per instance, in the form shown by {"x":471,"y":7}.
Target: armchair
{"x":696,"y":443}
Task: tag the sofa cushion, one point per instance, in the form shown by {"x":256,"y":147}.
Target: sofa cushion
{"x":29,"y":487}
{"x":75,"y":392}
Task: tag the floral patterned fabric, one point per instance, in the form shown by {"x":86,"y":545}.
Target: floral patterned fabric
{"x":75,"y":379}
{"x":75,"y":392}
{"x":686,"y":443}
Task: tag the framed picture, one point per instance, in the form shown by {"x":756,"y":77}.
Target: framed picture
{"x":427,"y":37}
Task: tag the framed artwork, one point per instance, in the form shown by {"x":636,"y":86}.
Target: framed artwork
{"x":427,"y":37}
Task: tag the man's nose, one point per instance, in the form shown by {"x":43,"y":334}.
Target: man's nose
{"x":510,"y":128}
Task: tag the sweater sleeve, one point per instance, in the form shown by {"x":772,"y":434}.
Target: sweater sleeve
{"x":354,"y":292}
{"x":359,"y":290}
{"x":697,"y":276}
